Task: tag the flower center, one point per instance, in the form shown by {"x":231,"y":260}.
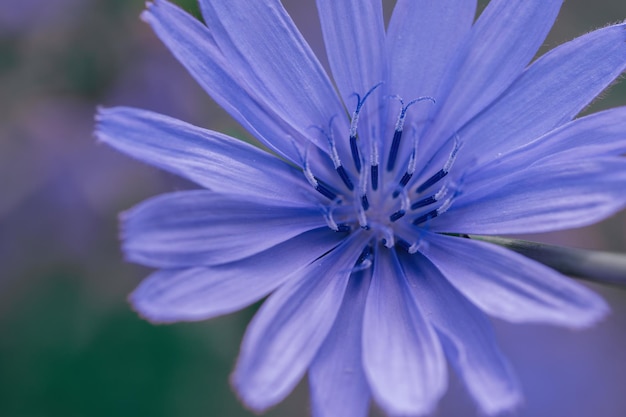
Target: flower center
{"x":393,"y":204}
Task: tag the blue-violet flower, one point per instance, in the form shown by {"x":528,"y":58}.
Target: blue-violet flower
{"x":354,"y":225}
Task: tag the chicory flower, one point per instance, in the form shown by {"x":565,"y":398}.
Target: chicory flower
{"x":354,"y":223}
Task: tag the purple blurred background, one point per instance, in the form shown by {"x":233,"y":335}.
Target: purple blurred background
{"x":70,"y":344}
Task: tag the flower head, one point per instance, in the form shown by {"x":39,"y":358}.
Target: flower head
{"x":438,"y":128}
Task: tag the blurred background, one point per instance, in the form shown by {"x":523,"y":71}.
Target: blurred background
{"x":71,"y":346}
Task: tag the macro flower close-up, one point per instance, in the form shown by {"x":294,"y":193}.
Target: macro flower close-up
{"x":363,"y":216}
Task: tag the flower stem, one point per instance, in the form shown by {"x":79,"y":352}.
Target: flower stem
{"x":595,"y":266}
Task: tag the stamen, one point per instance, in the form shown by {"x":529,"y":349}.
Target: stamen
{"x":445,"y":206}
{"x":430,"y":200}
{"x":437,"y":176}
{"x":354,"y":148}
{"x":397,"y":134}
{"x":353,"y":127}
{"x":403,"y":208}
{"x":393,"y":153}
{"x":425,"y":217}
{"x":424,"y":202}
{"x":410,"y":170}
{"x":364,"y":202}
{"x":363,"y":190}
{"x":334,"y":156}
{"x":434,"y":213}
{"x":344,"y":177}
{"x":397,"y":215}
{"x":325,"y":191}
{"x":315,"y":182}
{"x":374,"y":172}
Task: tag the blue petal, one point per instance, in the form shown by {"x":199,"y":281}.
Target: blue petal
{"x":338,"y":384}
{"x":402,"y":357}
{"x":354,"y":34}
{"x":546,"y":196}
{"x":281,"y":116}
{"x":502,"y":42}
{"x":292,"y":324}
{"x":213,"y":160}
{"x":423,"y":38}
{"x":268,"y":54}
{"x":512,"y":287}
{"x":204,"y":292}
{"x":597,"y":135}
{"x":548,"y":94}
{"x":467,"y":338}
{"x":193,"y":228}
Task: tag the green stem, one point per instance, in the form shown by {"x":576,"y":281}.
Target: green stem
{"x":596,"y":266}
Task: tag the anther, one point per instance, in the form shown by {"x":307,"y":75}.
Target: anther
{"x":374,"y":160}
{"x":325,"y":191}
{"x":363,"y":190}
{"x":436,"y":212}
{"x":354,"y":148}
{"x":374,"y":174}
{"x":424,"y":202}
{"x":425,"y":217}
{"x":397,"y":215}
{"x":397,"y":134}
{"x":437,"y":176}
{"x":430,"y":200}
{"x":344,"y":177}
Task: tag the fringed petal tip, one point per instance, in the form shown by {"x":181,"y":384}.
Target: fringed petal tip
{"x":512,"y":287}
{"x":255,"y":396}
{"x":151,"y":8}
{"x":155,"y":312}
{"x":507,"y":405}
{"x":248,"y":397}
{"x":147,"y":311}
{"x":146,"y":14}
{"x":99,"y":118}
{"x":596,"y":313}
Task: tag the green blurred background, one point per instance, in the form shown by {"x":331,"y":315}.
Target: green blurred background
{"x":71,"y":346}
